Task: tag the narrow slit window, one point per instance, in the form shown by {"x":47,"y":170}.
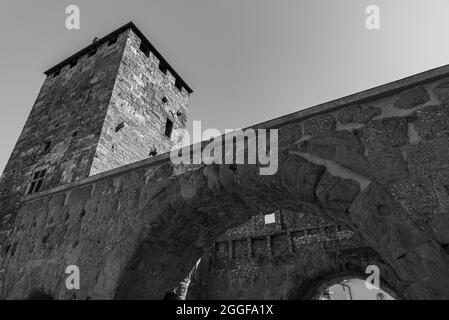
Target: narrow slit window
{"x":37,"y":181}
{"x":47,"y":146}
{"x":153,"y":152}
{"x":120,"y":126}
{"x":168,"y":128}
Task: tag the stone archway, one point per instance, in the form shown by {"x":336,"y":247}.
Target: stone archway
{"x":197,"y":207}
{"x":135,"y":232}
{"x":281,"y":258}
{"x":318,"y":287}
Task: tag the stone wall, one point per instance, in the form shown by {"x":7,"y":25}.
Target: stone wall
{"x":374,"y":162}
{"x":143,"y":98}
{"x":283,"y":276}
{"x":279,"y":260}
{"x":398,"y":141}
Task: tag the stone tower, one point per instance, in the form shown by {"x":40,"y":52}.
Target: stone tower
{"x":113,"y":103}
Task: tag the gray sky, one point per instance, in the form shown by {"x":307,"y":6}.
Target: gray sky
{"x":247,"y":60}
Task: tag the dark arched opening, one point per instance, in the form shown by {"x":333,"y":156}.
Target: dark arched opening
{"x":348,"y":287}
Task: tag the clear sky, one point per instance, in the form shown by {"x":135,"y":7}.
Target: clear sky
{"x":247,"y":60}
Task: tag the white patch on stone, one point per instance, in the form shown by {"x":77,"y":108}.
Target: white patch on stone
{"x":270,"y":218}
{"x":413,"y":136}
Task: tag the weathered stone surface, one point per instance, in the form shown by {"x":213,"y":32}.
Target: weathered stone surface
{"x":144,"y":98}
{"x":300,"y":177}
{"x":289,"y":276}
{"x":385,"y":133}
{"x":430,"y":286}
{"x":289,"y":134}
{"x":417,"y":196}
{"x":320,"y":125}
{"x":421,"y":263}
{"x":256,"y":227}
{"x":292,"y":273}
{"x":433,"y":121}
{"x":295,"y":274}
{"x":371,"y":211}
{"x":442,"y":91}
{"x":336,"y":193}
{"x":342,"y":147}
{"x":387,"y":165}
{"x":428,"y":158}
{"x":411,"y":252}
{"x":136,"y":232}
{"x":412,"y":98}
{"x":440,"y":225}
{"x":62,"y":131}
{"x":440,"y":186}
{"x":360,"y":113}
{"x":107,"y":233}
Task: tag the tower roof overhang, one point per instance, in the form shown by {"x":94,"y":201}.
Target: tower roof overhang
{"x":98,"y":43}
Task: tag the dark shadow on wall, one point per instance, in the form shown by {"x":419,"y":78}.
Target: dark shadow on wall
{"x":137,"y":282}
{"x":40,"y":295}
{"x":171,"y":296}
